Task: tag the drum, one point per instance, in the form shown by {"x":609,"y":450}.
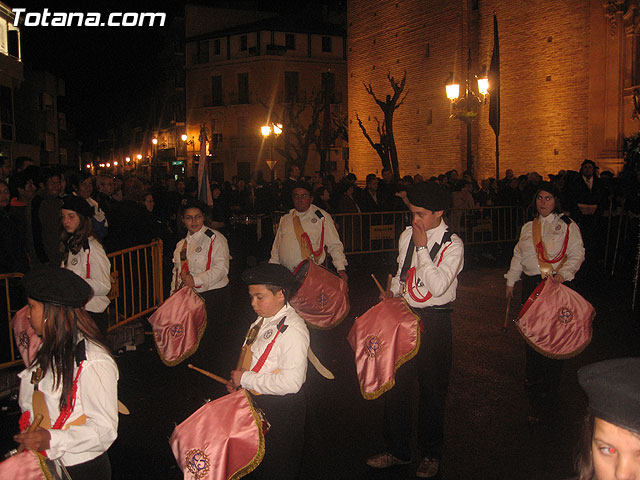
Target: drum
{"x":26,"y":465}
{"x":26,"y":339}
{"x":178,"y":325}
{"x":222,"y":440}
{"x":556,"y":321}
{"x":384,"y":338}
{"x":323,"y":298}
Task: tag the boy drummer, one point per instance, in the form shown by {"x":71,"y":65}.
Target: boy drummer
{"x":276,"y":367}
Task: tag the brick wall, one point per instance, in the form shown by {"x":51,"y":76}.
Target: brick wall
{"x":544,"y":47}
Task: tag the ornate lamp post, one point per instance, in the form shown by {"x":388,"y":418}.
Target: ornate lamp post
{"x":271,"y":132}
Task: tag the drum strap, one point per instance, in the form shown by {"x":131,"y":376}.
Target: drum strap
{"x":547,"y":267}
{"x":306,"y":247}
{"x":433,"y":253}
{"x":263,"y":358}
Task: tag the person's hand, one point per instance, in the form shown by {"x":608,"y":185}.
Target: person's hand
{"x":236,"y":380}
{"x":187,"y":279}
{"x":343,"y":275}
{"x":37,"y":440}
{"x":508,"y":292}
{"x":419,"y":235}
{"x":557,"y":278}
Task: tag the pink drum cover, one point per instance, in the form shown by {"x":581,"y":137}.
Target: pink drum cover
{"x":556,"y":321}
{"x":178,"y":325}
{"x":222,"y":440}
{"x":323,"y":298}
{"x":27,"y":465}
{"x":26,"y":339}
{"x":385,"y":337}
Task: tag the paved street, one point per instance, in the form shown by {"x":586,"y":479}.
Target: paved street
{"x":486,"y":432}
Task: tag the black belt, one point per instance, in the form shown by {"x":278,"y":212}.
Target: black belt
{"x":447,"y":307}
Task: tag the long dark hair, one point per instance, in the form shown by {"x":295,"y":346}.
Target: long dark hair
{"x":72,"y":242}
{"x":59,"y":337}
{"x":584,"y":459}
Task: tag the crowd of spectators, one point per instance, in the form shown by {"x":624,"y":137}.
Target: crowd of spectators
{"x":131,"y":210}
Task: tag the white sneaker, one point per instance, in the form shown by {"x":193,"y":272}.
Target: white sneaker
{"x":428,"y":468}
{"x":385,"y":460}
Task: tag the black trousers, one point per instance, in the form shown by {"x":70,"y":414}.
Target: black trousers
{"x":431,"y":367}
{"x":97,"y":469}
{"x":542,"y":374}
{"x":285,"y":438}
{"x":216,"y":305}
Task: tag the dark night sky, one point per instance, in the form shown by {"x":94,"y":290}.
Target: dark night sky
{"x":106,"y":69}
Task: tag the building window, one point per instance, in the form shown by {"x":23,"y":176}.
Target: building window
{"x":326,"y":44}
{"x":328,"y":80}
{"x":216,"y":90}
{"x":290,"y":41}
{"x":242,"y":125}
{"x":243,"y":43}
{"x":203,"y":51}
{"x":243,"y":88}
{"x":291,"y":82}
{"x":6,"y":113}
{"x":216,"y":47}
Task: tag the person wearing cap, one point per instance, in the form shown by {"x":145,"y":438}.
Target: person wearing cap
{"x":307,"y":232}
{"x":560,"y":259}
{"x":277,"y":368}
{"x":610,"y":444}
{"x":83,"y":254}
{"x":73,"y":380}
{"x":429,"y":262}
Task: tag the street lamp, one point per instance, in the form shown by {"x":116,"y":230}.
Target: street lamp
{"x":271,"y":132}
{"x":466,"y":108}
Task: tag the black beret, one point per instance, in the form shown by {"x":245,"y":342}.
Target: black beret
{"x":78,"y":205}
{"x":430,"y":195}
{"x":270,"y":274}
{"x":51,"y":284}
{"x":588,"y":162}
{"x":549,"y":187}
{"x":613,"y":388}
{"x":301,"y":184}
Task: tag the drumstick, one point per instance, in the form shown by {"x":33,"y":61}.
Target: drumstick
{"x":377,"y":284}
{"x":389,"y":277}
{"x":209,"y":374}
{"x":36,"y":423}
{"x":506,"y":314}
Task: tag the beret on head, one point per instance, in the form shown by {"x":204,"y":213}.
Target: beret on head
{"x":549,"y":187}
{"x":430,"y":195}
{"x":587,"y":162}
{"x":270,"y":274}
{"x":304,"y":185}
{"x":78,"y":205}
{"x":613,"y":388}
{"x":51,"y":284}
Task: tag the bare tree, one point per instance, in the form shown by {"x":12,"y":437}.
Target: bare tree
{"x":386,"y":147}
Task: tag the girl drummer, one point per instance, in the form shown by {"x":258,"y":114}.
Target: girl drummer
{"x":72,"y":381}
{"x":560,"y":258}
{"x":277,"y":368}
{"x":82,"y":253}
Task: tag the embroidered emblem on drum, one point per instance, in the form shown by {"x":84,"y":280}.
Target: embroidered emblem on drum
{"x":176,"y":330}
{"x":197,"y":463}
{"x":372,"y":343}
{"x":74,"y":261}
{"x":322,"y":299}
{"x":23,"y":339}
{"x":268,"y":333}
{"x":198,"y":249}
{"x":565,"y":315}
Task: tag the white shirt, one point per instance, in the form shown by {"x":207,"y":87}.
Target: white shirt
{"x":553,"y":232}
{"x":288,"y":355}
{"x":99,"y":273}
{"x":97,"y":398}
{"x":198,"y":255}
{"x":441,"y":280}
{"x":286,"y":249}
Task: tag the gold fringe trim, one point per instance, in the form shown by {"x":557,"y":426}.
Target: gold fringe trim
{"x":43,"y":466}
{"x":253,"y":464}
{"x":555,"y":356}
{"x":192,"y":350}
{"x":401,"y":361}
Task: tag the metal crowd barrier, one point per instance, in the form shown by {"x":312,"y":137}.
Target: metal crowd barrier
{"x":136,"y":290}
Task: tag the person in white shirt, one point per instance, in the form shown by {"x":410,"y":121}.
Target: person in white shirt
{"x":73,"y":373}
{"x":83,"y":254}
{"x":429,"y":262}
{"x":318,"y":235}
{"x":201,"y":261}
{"x":277,"y":368}
{"x":563,"y":248}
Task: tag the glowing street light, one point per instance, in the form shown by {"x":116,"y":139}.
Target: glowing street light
{"x":154,"y":140}
{"x":139,"y":156}
{"x":127,"y":159}
{"x":184,"y":137}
